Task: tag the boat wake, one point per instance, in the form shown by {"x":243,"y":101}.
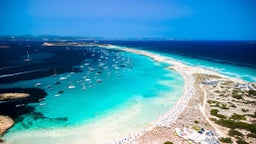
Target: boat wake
{"x":20,"y":73}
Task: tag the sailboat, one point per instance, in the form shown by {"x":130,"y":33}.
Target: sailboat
{"x":55,"y":72}
{"x":28,"y":58}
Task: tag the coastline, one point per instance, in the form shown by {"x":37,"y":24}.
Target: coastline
{"x":5,"y":123}
{"x":167,"y":120}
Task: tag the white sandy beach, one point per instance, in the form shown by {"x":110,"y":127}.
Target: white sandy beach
{"x":113,"y":128}
{"x":187,"y":73}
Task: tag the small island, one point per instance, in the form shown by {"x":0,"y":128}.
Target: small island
{"x":5,"y":123}
{"x":13,"y":101}
{"x":10,"y":96}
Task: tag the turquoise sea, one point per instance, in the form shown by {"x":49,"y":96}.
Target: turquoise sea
{"x":142,"y":80}
{"x":112,"y":84}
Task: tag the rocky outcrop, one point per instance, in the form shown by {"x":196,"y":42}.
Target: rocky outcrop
{"x":13,"y":103}
{"x":13,"y":107}
{"x":5,"y":123}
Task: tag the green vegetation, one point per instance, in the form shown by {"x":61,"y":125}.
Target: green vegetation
{"x":215,"y":112}
{"x":244,"y":110}
{"x":234,"y":133}
{"x":213,"y":119}
{"x":222,"y":95}
{"x":251,"y":135}
{"x":252,"y":92}
{"x":211,"y":101}
{"x":232,"y":105}
{"x":224,"y":106}
{"x":252,"y":115}
{"x":226,"y":140}
{"x":237,"y":117}
{"x":237,"y":96}
{"x":240,"y":141}
{"x":217,"y":91}
{"x":237,"y":124}
{"x":196,"y":121}
{"x":168,"y":142}
{"x":197,"y":128}
{"x":249,"y":102}
{"x":214,"y":103}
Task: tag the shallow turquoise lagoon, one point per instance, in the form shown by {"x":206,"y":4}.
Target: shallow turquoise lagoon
{"x":118,"y":88}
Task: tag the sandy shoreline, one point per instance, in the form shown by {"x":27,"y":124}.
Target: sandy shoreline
{"x":78,"y":135}
{"x":187,"y":72}
{"x":5,"y":123}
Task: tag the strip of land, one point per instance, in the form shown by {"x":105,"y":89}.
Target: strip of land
{"x":193,"y":110}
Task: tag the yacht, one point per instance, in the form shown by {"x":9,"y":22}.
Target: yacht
{"x":28,"y":57}
{"x":38,"y":84}
{"x":63,"y":78}
{"x":55,"y":72}
{"x":71,"y":87}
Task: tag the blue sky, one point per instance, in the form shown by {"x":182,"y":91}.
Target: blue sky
{"x":178,"y":19}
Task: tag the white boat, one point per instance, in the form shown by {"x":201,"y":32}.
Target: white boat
{"x":91,"y":69}
{"x":57,"y":95}
{"x":41,"y":99}
{"x":42,"y":104}
{"x":38,"y":84}
{"x":28,"y":57}
{"x":83,"y":85}
{"x":55,"y":72}
{"x":71,"y":87}
{"x":87,"y":80}
{"x":19,"y":105}
{"x":63,"y":78}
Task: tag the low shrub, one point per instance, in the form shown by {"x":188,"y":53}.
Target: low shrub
{"x":215,"y":112}
{"x":196,"y":121}
{"x":226,"y":140}
{"x":240,"y":141}
{"x":251,"y":135}
{"x":234,"y":133}
{"x":168,"y":142}
{"x":237,"y":124}
{"x":238,"y":117}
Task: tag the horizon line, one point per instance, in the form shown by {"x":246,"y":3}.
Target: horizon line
{"x":117,"y":39}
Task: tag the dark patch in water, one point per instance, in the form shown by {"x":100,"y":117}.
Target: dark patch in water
{"x":17,"y":107}
{"x":37,"y":117}
{"x":19,"y":113}
{"x":62,"y":60}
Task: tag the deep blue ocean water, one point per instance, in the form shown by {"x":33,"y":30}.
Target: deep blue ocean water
{"x":232,"y":58}
{"x":233,"y":52}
